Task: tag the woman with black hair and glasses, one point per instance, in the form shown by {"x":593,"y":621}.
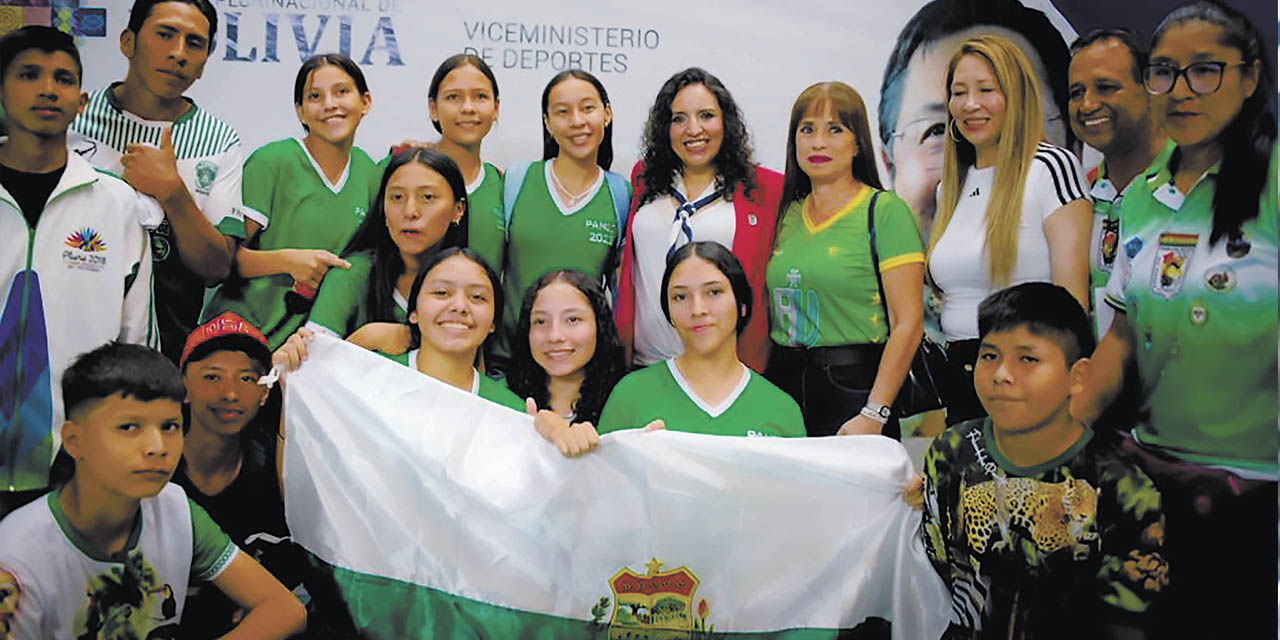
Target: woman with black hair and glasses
{"x":1195,"y":295}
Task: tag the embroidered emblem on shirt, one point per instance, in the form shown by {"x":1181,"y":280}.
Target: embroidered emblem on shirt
{"x":1108,"y":241}
{"x":161,"y":245}
{"x":1169,"y":270}
{"x":206,"y":173}
{"x":86,"y":240}
{"x":975,"y":192}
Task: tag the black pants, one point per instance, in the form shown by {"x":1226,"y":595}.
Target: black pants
{"x":1220,"y":546}
{"x":957,"y":390}
{"x":831,"y":384}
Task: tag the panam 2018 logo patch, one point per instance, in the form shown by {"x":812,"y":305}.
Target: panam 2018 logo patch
{"x":86,"y":250}
{"x":86,"y":240}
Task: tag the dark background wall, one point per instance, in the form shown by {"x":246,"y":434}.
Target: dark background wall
{"x":1142,"y":16}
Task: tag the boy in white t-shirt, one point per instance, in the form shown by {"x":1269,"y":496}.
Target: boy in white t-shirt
{"x":110,"y":553}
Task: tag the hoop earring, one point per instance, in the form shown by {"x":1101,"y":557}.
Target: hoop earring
{"x":953,"y":132}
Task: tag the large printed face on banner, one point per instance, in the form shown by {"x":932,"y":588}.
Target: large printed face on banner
{"x":465,"y":106}
{"x":562,"y":330}
{"x":703,"y":309}
{"x":576,"y":118}
{"x":420,"y":206}
{"x":825,"y":147}
{"x":917,"y":154}
{"x":1190,"y":118}
{"x":332,"y":106}
{"x":126,"y":447}
{"x":169,"y":51}
{"x":977,"y":104}
{"x":1108,"y":104}
{"x":41,"y":92}
{"x":455,"y":307}
{"x":697,"y":126}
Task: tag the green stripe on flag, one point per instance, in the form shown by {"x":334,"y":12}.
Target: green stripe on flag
{"x":389,"y":608}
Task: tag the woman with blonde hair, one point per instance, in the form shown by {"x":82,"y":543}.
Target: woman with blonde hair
{"x":1011,"y":207}
{"x":831,"y":285}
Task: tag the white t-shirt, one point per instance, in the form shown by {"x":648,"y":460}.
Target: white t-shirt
{"x":69,"y":590}
{"x":652,"y":234}
{"x":959,"y":263}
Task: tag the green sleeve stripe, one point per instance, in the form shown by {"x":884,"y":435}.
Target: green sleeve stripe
{"x":211,"y":549}
{"x":224,"y":560}
{"x":230,"y":226}
{"x":107,"y":172}
{"x":898,"y":261}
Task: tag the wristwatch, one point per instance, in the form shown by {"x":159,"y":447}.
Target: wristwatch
{"x":879,"y":413}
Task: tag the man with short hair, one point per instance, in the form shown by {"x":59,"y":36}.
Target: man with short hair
{"x":75,"y":265}
{"x":165,"y":146}
{"x":1109,"y":110}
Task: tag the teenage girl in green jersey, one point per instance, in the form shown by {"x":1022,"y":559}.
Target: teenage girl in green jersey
{"x":421,"y":207}
{"x":566,"y":356}
{"x":706,"y":389}
{"x":452,"y":311}
{"x":834,"y":351}
{"x":303,"y":198}
{"x":1195,"y":295}
{"x":563,"y":215}
{"x":463,"y":103}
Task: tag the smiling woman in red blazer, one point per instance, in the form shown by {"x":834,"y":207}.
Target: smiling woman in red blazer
{"x":696,"y":181}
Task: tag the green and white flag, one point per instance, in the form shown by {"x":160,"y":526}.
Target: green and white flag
{"x":444,"y":515}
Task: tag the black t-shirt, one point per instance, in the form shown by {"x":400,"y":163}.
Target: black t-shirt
{"x":31,"y":190}
{"x":250,"y":511}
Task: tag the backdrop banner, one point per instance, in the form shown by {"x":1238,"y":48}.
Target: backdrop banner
{"x":765,"y":52}
{"x":445,"y":515}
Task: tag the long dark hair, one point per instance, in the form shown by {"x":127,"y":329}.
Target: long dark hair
{"x":728,"y":264}
{"x":1246,"y":142}
{"x":603,"y":370}
{"x":415,"y":334}
{"x":550,"y":148}
{"x":347,"y":65}
{"x":373,"y":237}
{"x":733,"y":163}
{"x":453,"y":62}
{"x":852,"y":113}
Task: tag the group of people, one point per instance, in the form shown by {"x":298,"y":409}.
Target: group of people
{"x":1110,"y":336}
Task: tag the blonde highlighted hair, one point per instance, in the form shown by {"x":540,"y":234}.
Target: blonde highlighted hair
{"x":1022,"y":130}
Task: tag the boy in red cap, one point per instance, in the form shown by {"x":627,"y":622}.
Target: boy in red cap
{"x":229,"y":465}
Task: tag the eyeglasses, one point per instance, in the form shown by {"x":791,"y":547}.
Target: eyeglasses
{"x":926,"y":133}
{"x":1202,"y":77}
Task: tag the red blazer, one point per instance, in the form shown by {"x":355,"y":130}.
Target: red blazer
{"x":752,"y":245}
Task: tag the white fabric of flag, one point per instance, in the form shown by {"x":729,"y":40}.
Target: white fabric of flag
{"x":390,"y":473}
